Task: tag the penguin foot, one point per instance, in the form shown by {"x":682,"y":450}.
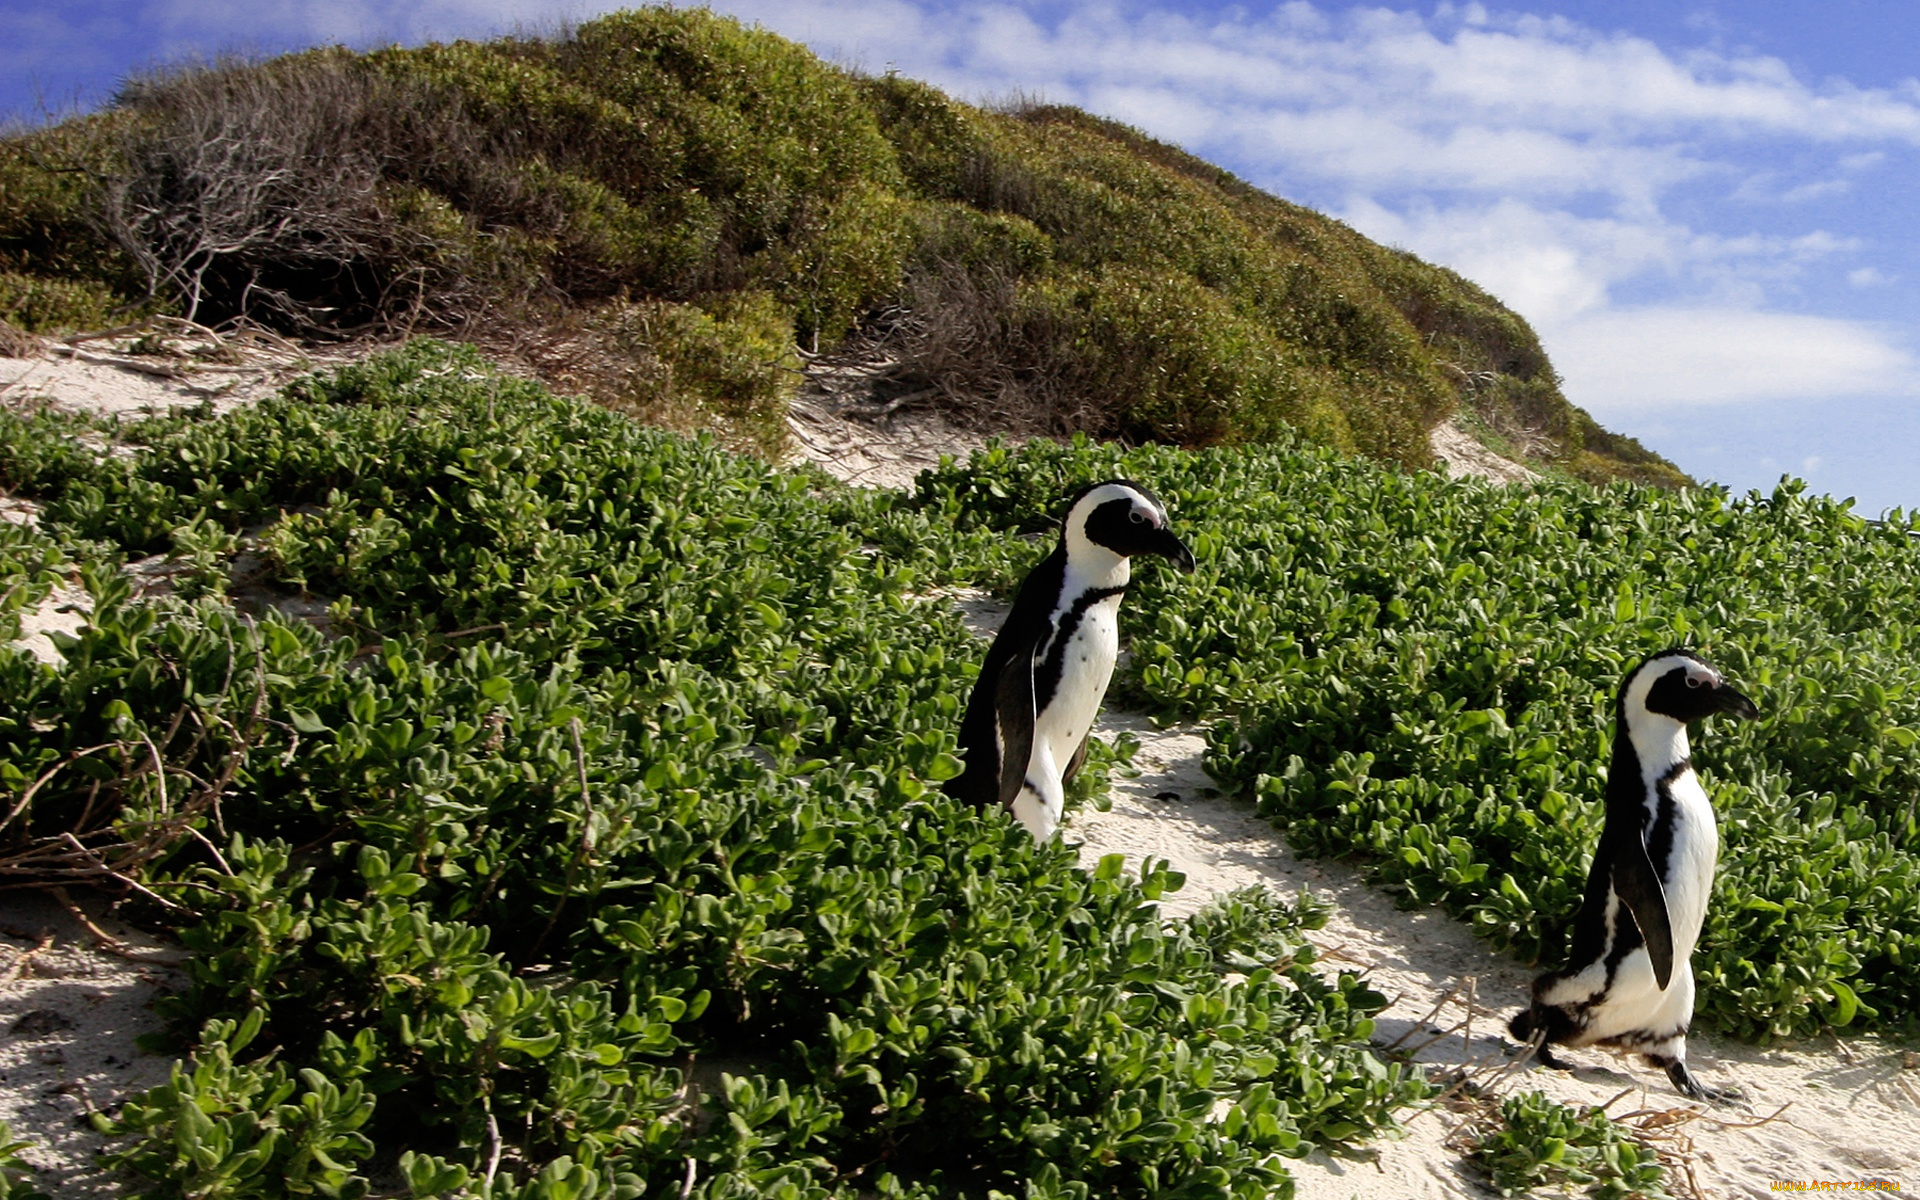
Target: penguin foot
{"x":1691,"y":1087}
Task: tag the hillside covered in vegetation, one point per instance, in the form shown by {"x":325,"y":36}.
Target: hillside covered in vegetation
{"x":662,"y":208}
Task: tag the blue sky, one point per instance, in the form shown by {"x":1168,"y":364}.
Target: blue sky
{"x":1706,"y":210}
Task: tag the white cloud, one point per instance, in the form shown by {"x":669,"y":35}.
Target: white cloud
{"x":1174,"y":116}
{"x":1545,"y":264}
{"x":1560,"y":74}
{"x":1550,"y":265}
{"x":1367,"y":146}
{"x":1821,"y":189}
{"x":1457,"y":68}
{"x":1634,"y":360}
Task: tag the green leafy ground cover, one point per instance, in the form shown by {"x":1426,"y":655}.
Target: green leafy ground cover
{"x":617,"y":766}
{"x":15,"y":1172}
{"x":1420,"y":672}
{"x":1538,"y":1144}
{"x":616,"y":769}
{"x":29,"y":569}
{"x":668,"y":186}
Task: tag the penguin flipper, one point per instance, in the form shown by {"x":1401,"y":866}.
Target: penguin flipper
{"x":1015,"y":716}
{"x":1638,"y":886}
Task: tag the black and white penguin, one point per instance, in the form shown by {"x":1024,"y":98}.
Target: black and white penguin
{"x":1629,"y":986}
{"x":1025,"y":730}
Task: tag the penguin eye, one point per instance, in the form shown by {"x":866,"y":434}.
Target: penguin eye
{"x":1136,"y":517}
{"x":1693,"y":681}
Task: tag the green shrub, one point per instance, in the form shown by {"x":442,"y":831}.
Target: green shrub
{"x":221,"y":1129}
{"x":40,"y":305}
{"x":982,"y":245}
{"x":1604,"y":457}
{"x":730,"y":372}
{"x":29,"y":567}
{"x":780,"y":142}
{"x":1196,"y":324}
{"x":627,"y":761}
{"x":1188,"y":367}
{"x":936,"y":140}
{"x":59,"y":271}
{"x":1023,"y":267}
{"x":50,"y":193}
{"x":1541,"y":1144}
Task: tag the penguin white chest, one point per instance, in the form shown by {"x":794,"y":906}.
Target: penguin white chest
{"x":1687,"y":875}
{"x":1086,"y":667}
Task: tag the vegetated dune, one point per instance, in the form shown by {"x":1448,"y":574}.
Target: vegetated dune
{"x":458,"y":662}
{"x":661,"y":208}
{"x":678,"y":735}
{"x":1848,"y":1102}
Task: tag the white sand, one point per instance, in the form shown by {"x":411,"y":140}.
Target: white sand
{"x":1463,"y":455}
{"x":69,"y":1014}
{"x":861,"y":446}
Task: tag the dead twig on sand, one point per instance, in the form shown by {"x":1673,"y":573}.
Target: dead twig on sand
{"x":22,"y":957}
{"x":1433,"y":1012}
{"x":106,"y":941}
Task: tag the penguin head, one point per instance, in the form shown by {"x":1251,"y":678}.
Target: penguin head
{"x":1679,"y":685}
{"x":1123,"y":518}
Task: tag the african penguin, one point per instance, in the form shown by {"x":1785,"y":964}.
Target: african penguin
{"x":1629,"y":985}
{"x":1025,"y":730}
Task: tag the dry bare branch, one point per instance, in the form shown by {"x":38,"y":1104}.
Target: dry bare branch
{"x":964,"y":343}
{"x":108,"y":831}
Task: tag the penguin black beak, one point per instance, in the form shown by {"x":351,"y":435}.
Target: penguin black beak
{"x":1733,"y":704}
{"x":1173,"y":550}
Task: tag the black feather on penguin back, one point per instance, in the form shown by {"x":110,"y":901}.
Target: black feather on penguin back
{"x":979,"y":783}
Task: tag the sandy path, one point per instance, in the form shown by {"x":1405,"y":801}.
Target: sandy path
{"x":69,"y":1016}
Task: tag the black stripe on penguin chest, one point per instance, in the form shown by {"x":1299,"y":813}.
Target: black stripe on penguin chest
{"x":1662,"y":826}
{"x":1052,"y":668}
